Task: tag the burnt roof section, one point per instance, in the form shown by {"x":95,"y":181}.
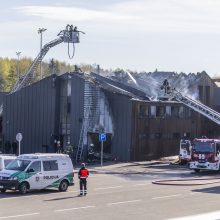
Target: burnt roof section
{"x":151,"y":82}
{"x":117,"y":86}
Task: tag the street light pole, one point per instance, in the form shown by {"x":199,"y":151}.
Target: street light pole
{"x":40,"y":31}
{"x":18,"y":72}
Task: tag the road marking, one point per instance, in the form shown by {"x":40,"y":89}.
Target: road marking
{"x":52,"y":193}
{"x":17,"y":216}
{"x":118,"y":203}
{"x":110,"y":187}
{"x":99,"y":175}
{"x":18,"y":197}
{"x":205,"y":216}
{"x":142,"y":184}
{"x":72,"y":209}
{"x":163,"y":197}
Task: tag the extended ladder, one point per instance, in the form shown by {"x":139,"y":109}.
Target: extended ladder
{"x":197,"y":106}
{"x":83,"y":134}
{"x":68,"y":35}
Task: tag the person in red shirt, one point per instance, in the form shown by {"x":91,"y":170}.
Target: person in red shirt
{"x":83,"y":175}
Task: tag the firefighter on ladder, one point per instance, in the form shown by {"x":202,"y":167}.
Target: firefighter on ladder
{"x":83,"y":174}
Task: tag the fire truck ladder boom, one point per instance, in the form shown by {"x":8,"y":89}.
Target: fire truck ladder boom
{"x":198,"y":107}
{"x":26,"y":79}
{"x":68,"y":35}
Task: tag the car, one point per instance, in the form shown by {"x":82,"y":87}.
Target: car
{"x":37,"y":171}
{"x":5,"y":159}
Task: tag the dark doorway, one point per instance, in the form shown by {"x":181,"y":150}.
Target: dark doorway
{"x":93,"y":138}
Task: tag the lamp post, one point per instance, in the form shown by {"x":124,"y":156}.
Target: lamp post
{"x":40,"y":31}
{"x":18,"y":72}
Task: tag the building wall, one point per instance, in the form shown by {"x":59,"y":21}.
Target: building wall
{"x":32,"y":112}
{"x":77,"y":108}
{"x":121,"y":107}
{"x":208,"y":87}
{"x":158,"y":135}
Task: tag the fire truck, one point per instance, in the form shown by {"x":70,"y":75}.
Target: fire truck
{"x":185,"y":151}
{"x":205,"y":154}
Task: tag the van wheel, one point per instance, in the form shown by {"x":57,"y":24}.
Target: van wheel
{"x":197,"y":170}
{"x":3,"y":190}
{"x":63,"y":186}
{"x":23,"y":188}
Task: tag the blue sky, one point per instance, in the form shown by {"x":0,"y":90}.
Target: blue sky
{"x":170,"y":35}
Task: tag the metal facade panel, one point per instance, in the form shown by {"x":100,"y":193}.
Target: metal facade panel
{"x":159,"y":136}
{"x":30,"y":111}
{"x":121,"y":110}
{"x":77,"y":108}
{"x":216,"y":98}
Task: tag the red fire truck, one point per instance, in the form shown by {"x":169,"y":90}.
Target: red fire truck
{"x":205,"y":154}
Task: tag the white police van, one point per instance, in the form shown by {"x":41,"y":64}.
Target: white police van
{"x":37,"y":171}
{"x":5,"y":159}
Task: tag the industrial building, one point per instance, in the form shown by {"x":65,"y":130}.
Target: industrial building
{"x":140,"y":123}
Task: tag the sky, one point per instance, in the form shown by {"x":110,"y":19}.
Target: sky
{"x":140,"y":35}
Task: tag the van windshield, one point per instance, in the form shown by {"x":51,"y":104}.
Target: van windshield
{"x":18,"y":164}
{"x":7,"y":161}
{"x":203,"y":147}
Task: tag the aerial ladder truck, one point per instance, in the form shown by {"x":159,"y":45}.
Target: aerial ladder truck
{"x":69,"y":35}
{"x":204,"y":153}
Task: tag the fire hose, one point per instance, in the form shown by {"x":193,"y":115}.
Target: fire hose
{"x":187,"y":182}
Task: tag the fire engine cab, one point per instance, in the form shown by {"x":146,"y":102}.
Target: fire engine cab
{"x":205,"y":154}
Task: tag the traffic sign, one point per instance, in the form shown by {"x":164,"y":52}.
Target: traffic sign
{"x":102,"y":137}
{"x":19,"y":137}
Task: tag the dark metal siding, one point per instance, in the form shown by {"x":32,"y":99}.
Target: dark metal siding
{"x":77,"y":108}
{"x":31,"y":111}
{"x":146,"y":146}
{"x":121,"y":107}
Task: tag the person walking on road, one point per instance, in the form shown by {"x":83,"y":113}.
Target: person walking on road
{"x":83,"y":175}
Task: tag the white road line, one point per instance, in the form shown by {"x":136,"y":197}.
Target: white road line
{"x":163,"y":197}
{"x":204,"y":216}
{"x":118,"y":203}
{"x":17,"y":216}
{"x":99,"y":175}
{"x":110,"y":187}
{"x":72,"y":209}
{"x":142,"y":184}
{"x":18,"y":197}
{"x":52,"y":193}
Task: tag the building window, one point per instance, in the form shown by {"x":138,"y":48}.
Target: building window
{"x":207,"y":95}
{"x":158,"y":135}
{"x":168,"y":110}
{"x":181,"y":112}
{"x":153,"y":111}
{"x":176,"y":135}
{"x":201,"y":93}
{"x":143,"y":136}
{"x":160,"y":111}
{"x":188,"y":113}
{"x":143,"y":111}
{"x":175,"y":111}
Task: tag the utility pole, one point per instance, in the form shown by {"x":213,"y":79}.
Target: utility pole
{"x":40,"y":31}
{"x":18,"y":71}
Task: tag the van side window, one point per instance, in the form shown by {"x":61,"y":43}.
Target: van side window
{"x":50,"y":165}
{"x":217,"y":149}
{"x":35,"y":167}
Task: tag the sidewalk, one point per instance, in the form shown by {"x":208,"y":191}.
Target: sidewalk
{"x":126,"y":167}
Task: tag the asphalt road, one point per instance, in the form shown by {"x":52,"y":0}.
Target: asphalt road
{"x":119,"y":196}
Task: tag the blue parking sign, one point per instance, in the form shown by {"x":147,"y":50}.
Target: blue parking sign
{"x":102,"y":136}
